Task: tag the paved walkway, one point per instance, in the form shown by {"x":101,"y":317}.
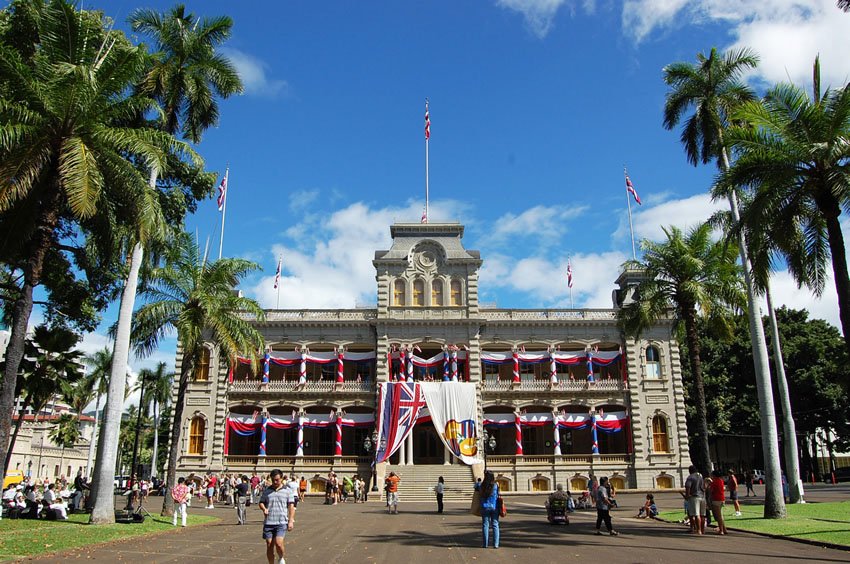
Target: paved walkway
{"x":352,"y":533}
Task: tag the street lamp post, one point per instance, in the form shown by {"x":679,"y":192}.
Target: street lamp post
{"x":489,"y":440}
{"x":371,"y":446}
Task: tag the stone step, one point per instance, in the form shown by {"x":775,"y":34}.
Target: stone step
{"x":418,"y":481}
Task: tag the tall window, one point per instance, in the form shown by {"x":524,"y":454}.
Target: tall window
{"x":456,"y":295}
{"x":202,"y":368}
{"x":437,"y":293}
{"x":653,"y":362}
{"x":660,"y":440}
{"x":418,"y":293}
{"x":398,"y":293}
{"x":196,"y":435}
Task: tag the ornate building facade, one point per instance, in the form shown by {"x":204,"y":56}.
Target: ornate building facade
{"x":562,"y":394}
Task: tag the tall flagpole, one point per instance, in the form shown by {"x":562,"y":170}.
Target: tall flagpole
{"x":277,"y":279}
{"x":427,"y":138}
{"x":631,"y":227}
{"x":223,"y":212}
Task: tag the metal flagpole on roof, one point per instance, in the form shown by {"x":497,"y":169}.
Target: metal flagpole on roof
{"x":427,"y":138}
{"x":629,"y":204}
{"x":222,"y":206}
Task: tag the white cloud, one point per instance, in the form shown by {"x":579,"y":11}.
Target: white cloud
{"x":685,"y":214}
{"x":299,"y":200}
{"x":785,"y":292}
{"x":253,"y":73}
{"x":539,"y":15}
{"x":786,"y":34}
{"x":545,"y":223}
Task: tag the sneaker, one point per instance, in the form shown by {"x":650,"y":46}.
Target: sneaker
{"x":737,"y":514}
{"x":598,"y":532}
{"x":614,"y":533}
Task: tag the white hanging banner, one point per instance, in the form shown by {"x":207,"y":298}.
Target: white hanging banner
{"x":453,"y":407}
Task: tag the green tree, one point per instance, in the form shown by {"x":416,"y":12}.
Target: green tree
{"x":99,"y":365}
{"x":694,"y":276}
{"x":185,"y":76}
{"x":196,"y":299}
{"x":713,"y":90}
{"x":66,"y":152}
{"x":792,"y":152}
{"x":65,"y":433}
{"x":157,"y":394}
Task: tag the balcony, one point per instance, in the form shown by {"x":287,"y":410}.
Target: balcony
{"x":292,"y":386}
{"x":236,"y":461}
{"x":604,"y":385}
{"x":570,"y":460}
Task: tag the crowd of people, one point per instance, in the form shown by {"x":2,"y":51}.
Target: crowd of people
{"x":44,"y":499}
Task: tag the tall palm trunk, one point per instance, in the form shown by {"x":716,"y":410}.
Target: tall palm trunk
{"x":17,"y":430}
{"x":774,"y":502}
{"x":155,"y":437}
{"x":94,"y":435}
{"x":831,"y":210}
{"x":21,"y":311}
{"x":176,"y":424}
{"x":107,"y":448}
{"x":789,"y":429}
{"x":703,"y":461}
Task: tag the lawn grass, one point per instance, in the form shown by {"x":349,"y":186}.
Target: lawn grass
{"x":817,"y":522}
{"x":26,"y":537}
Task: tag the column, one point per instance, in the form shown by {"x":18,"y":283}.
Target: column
{"x":553,"y":370}
{"x":516,"y":379}
{"x":266,"y":366}
{"x":518,"y":427}
{"x":302,"y":378}
{"x":447,"y":456}
{"x":557,"y":433}
{"x":409,"y":444}
{"x":263,"y":434}
{"x":593,"y":434}
{"x":446,"y":366}
{"x":338,"y":442}
{"x":340,"y":367}
{"x":454,"y":364}
{"x":410,"y":365}
{"x":300,"y":449}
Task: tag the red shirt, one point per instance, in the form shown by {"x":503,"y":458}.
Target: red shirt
{"x":717,"y":491}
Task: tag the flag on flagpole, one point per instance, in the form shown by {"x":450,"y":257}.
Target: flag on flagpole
{"x":427,"y":122}
{"x":631,"y":190}
{"x":569,"y":274}
{"x":222,"y":192}
{"x":424,"y":218}
{"x":277,"y":273}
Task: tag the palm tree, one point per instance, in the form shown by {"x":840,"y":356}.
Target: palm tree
{"x":65,"y":433}
{"x":694,"y":276}
{"x":50,"y":363}
{"x":66,"y":155}
{"x":99,"y":364}
{"x":196,"y":299}
{"x":185,"y":76}
{"x":792,"y":152}
{"x":157,"y":394}
{"x":712,"y":89}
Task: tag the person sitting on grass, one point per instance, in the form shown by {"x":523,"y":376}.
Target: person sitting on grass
{"x":648,"y":510}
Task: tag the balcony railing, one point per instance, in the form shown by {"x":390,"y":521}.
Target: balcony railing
{"x":240,"y":460}
{"x":294,"y":386}
{"x":567,"y":459}
{"x":604,"y":385}
{"x":548,"y":314}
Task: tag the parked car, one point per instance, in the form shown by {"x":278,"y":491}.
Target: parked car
{"x":841,"y":475}
{"x":120,"y":483}
{"x":13,"y":477}
{"x":758,"y":476}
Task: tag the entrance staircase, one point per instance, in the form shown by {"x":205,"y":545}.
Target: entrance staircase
{"x":417,"y":481}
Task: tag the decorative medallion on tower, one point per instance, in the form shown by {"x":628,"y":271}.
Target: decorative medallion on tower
{"x":427,"y":257}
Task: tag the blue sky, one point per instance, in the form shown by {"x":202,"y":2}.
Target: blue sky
{"x":536,"y":106}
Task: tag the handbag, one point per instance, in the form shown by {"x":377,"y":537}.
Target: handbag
{"x":475,"y":509}
{"x":500,"y":506}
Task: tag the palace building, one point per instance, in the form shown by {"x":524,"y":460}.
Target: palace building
{"x":562,"y":394}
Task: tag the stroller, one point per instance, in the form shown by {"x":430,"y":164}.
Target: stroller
{"x":584,"y":501}
{"x":556,"y":512}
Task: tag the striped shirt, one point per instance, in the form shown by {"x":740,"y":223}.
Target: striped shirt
{"x":277,"y":502}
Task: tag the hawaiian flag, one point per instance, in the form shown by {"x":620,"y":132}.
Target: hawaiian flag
{"x":424,"y":218}
{"x":631,"y":189}
{"x":569,"y":274}
{"x":277,"y":273}
{"x":222,"y":191}
{"x":427,"y":122}
{"x":399,"y":405}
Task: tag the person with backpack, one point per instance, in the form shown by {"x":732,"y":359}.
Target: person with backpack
{"x":488,"y":489}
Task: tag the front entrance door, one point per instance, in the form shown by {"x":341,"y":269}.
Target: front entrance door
{"x":427,"y":446}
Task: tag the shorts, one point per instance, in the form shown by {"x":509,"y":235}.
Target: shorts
{"x":392,"y":498}
{"x":716,"y":505}
{"x":696,"y":506}
{"x":733,"y":495}
{"x":272,"y":531}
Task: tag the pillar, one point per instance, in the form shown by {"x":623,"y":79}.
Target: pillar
{"x":263,"y":426}
{"x":338,"y":442}
{"x":300,"y":449}
{"x":557,"y":433}
{"x":518,"y":427}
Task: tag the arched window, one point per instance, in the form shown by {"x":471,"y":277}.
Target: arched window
{"x":437,"y":293}
{"x":418,"y":293}
{"x":539,"y":484}
{"x":503,"y":483}
{"x":398,"y":293}
{"x":660,"y":439}
{"x":617,"y":483}
{"x":653,"y":362}
{"x":202,"y":368}
{"x":457,"y":298}
{"x":196,"y":435}
{"x":578,"y":484}
{"x":664,"y":482}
